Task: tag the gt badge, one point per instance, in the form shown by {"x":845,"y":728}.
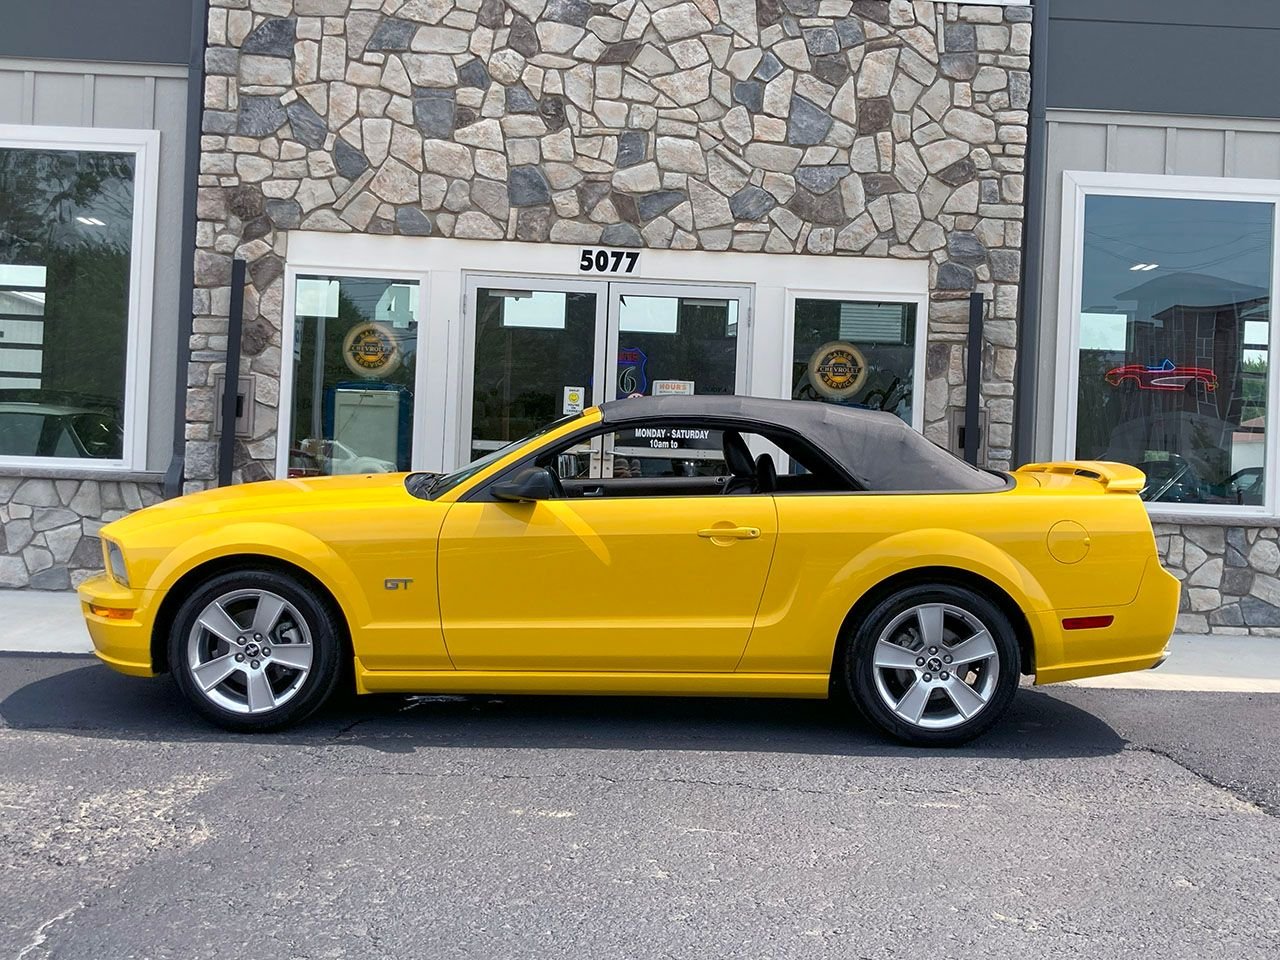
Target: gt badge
{"x":397,"y":583}
{"x":837,"y":370}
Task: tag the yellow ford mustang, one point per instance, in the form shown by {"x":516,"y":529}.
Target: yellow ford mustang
{"x":673,"y":545}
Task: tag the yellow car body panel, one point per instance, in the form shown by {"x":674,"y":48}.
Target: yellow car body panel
{"x":620,"y":585}
{"x":736,"y":595}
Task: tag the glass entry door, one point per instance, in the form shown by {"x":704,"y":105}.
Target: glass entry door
{"x":545,"y":348}
{"x":534,"y":356}
{"x":672,"y":340}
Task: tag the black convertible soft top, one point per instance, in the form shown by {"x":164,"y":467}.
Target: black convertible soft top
{"x":877,"y":449}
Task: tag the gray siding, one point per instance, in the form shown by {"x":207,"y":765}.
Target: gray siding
{"x":138,"y":98}
{"x":123,"y":31}
{"x":1129,"y":143}
{"x":1164,"y":56}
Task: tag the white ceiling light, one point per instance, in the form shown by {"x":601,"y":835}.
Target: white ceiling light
{"x":91,"y":221}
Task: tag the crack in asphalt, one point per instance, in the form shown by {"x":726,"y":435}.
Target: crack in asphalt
{"x":40,"y":937}
{"x":1258,"y":806}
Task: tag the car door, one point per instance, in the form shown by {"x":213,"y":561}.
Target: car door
{"x":604,"y":583}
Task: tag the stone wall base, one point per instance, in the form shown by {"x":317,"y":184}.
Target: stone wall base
{"x":1230,"y":582}
{"x":51,"y":527}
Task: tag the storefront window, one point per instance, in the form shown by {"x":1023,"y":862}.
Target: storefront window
{"x":66,"y":237}
{"x":855,"y":353}
{"x":1174,"y":321}
{"x":354,"y":358}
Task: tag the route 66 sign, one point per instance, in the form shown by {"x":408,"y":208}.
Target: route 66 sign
{"x":633,"y":378}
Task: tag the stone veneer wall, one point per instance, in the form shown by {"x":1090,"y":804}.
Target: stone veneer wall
{"x":50,"y":527}
{"x":1230,"y":576}
{"x":839,"y":127}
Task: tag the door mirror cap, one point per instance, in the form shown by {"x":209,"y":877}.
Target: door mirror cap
{"x":525,"y":486}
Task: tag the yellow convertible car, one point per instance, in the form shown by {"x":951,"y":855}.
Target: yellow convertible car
{"x":659,"y":545}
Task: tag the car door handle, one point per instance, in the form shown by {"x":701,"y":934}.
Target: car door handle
{"x":730,"y":533}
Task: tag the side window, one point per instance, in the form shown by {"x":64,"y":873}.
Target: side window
{"x":685,"y":459}
{"x":648,"y":452}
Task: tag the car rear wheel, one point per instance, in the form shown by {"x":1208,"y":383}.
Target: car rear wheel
{"x":933,"y":665}
{"x":255,"y":650}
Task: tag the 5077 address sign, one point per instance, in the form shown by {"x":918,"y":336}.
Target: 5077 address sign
{"x":599,"y":260}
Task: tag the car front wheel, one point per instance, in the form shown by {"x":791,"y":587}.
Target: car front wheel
{"x":933,"y":665}
{"x":255,"y":650}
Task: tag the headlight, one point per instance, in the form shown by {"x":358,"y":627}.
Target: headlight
{"x":115,"y":563}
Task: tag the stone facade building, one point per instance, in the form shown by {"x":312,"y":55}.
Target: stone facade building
{"x":422,"y":191}
{"x":882,"y":131}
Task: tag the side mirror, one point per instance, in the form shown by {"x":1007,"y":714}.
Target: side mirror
{"x":527,"y":485}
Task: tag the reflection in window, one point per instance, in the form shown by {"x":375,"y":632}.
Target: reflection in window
{"x":1174,"y":326}
{"x":855,"y":353}
{"x":533,"y":362}
{"x":66,"y":233}
{"x":354,"y":357}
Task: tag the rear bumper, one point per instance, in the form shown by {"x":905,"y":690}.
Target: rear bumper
{"x":122,"y":642}
{"x":1137,"y":639}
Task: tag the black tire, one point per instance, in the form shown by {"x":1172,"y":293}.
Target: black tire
{"x":326,"y":637}
{"x":858,"y":671}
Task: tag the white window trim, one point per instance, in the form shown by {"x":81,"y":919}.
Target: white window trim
{"x":919,"y":348}
{"x":145,"y":147}
{"x":288,"y":342}
{"x":1076,"y":187}
{"x":439,"y":406}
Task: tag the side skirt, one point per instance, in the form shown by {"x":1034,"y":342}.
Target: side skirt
{"x":802,"y":685}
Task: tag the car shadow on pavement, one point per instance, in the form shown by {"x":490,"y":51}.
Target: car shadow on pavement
{"x":83,"y":698}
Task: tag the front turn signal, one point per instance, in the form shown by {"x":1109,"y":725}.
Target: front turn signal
{"x":110,"y":613}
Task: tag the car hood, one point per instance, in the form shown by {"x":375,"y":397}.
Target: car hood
{"x":276,"y":499}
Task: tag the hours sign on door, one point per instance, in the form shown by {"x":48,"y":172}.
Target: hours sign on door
{"x":600,"y":260}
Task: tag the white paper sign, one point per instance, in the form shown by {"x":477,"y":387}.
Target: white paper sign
{"x":574,"y":399}
{"x":673,"y":388}
{"x":316,"y":298}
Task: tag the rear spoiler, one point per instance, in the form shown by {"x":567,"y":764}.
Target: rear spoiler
{"x":1114,"y":477}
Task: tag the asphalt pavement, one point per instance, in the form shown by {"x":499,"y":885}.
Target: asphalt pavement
{"x":1091,"y":823}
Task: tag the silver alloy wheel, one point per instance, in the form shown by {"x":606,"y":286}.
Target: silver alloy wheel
{"x":936,"y":666}
{"x":250,"y":651}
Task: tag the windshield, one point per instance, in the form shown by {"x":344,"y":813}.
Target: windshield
{"x":446,"y":482}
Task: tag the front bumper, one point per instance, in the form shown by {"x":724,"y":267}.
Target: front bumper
{"x":122,"y":642}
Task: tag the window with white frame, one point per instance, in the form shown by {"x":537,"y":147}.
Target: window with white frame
{"x":860,"y":353}
{"x":1169,"y":302}
{"x":74,"y":291}
{"x":355,"y":357}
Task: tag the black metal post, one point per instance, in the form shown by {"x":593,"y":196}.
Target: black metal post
{"x":1026,"y":379}
{"x":973,"y":379}
{"x":186,"y":270}
{"x":231,"y":379}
